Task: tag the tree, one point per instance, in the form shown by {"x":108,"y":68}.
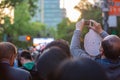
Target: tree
{"x":65,"y":30}
{"x":88,"y":12}
{"x":11,"y":4}
{"x":23,"y":26}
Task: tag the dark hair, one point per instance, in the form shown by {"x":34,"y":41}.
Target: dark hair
{"x":26,"y":54}
{"x":111,"y":47}
{"x":63,"y":44}
{"x":79,"y":69}
{"x":49,"y":60}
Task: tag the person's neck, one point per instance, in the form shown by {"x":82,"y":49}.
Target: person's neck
{"x":4,"y":61}
{"x":103,"y":57}
{"x":27,"y":61}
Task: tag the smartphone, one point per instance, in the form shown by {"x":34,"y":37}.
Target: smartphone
{"x":91,"y":23}
{"x":87,"y":22}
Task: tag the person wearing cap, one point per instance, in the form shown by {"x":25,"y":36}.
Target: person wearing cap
{"x":109,"y":50}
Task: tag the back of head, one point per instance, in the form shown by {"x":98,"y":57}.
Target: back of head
{"x":7,"y":50}
{"x":26,"y":54}
{"x":79,"y":69}
{"x":61,"y":44}
{"x":111,"y":47}
{"x":49,"y":60}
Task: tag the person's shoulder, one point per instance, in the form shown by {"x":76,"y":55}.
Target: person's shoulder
{"x":22,"y":71}
{"x":21,"y":74}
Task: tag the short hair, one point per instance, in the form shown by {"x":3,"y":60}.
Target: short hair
{"x":7,"y":49}
{"x":26,"y":54}
{"x":111,"y":47}
{"x":79,"y":69}
{"x":49,"y":60}
{"x":61,"y":43}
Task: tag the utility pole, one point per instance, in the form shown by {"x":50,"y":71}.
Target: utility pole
{"x":105,"y":9}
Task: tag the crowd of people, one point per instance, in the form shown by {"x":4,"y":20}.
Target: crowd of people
{"x":61,"y":61}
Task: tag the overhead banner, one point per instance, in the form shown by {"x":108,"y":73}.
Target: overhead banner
{"x":114,"y":6}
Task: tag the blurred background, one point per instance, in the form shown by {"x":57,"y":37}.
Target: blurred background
{"x":22,"y":22}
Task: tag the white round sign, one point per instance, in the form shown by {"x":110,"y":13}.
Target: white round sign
{"x":92,"y":43}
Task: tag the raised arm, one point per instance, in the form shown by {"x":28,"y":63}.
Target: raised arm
{"x":75,"y":47}
{"x":98,"y":28}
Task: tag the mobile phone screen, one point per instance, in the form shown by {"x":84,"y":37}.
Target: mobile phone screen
{"x":87,"y":22}
{"x":91,"y":24}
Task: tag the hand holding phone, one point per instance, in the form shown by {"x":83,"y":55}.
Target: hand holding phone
{"x":95,"y":26}
{"x":87,"y":22}
{"x":91,"y":24}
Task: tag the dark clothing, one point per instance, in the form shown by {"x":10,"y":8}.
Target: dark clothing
{"x":112,"y":68}
{"x":10,"y":73}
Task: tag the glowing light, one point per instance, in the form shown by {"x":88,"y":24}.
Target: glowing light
{"x":28,"y":38}
{"x":10,"y":13}
{"x":0,"y":1}
{"x":71,"y":13}
{"x":6,"y":11}
{"x":92,"y":1}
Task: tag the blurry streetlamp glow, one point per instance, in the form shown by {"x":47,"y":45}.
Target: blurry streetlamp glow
{"x":28,"y":38}
{"x":71,"y":13}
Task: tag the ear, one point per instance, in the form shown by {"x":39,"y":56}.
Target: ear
{"x":101,"y":51}
{"x":12,"y":58}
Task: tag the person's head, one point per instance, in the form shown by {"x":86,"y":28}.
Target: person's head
{"x":49,"y":60}
{"x":63,"y":44}
{"x":79,"y":69}
{"x":8,"y":52}
{"x":25,"y":56}
{"x":111,"y":47}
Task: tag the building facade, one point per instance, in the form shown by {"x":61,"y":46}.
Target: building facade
{"x":49,"y":12}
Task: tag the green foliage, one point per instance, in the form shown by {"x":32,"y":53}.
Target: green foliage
{"x":32,"y":6}
{"x":89,"y":12}
{"x":13,"y":3}
{"x":7,"y":3}
{"x":23,"y":26}
{"x":37,"y":28}
{"x":118,"y":28}
{"x":65,"y":30}
{"x":51,"y":32}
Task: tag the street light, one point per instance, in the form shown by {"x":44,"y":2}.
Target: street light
{"x":24,"y":38}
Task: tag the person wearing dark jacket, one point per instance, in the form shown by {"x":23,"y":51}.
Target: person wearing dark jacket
{"x":8,"y":53}
{"x":79,"y":69}
{"x":109,"y":51}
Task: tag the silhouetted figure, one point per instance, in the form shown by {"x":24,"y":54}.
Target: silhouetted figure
{"x":49,"y":61}
{"x":61,"y":43}
{"x":79,"y":69}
